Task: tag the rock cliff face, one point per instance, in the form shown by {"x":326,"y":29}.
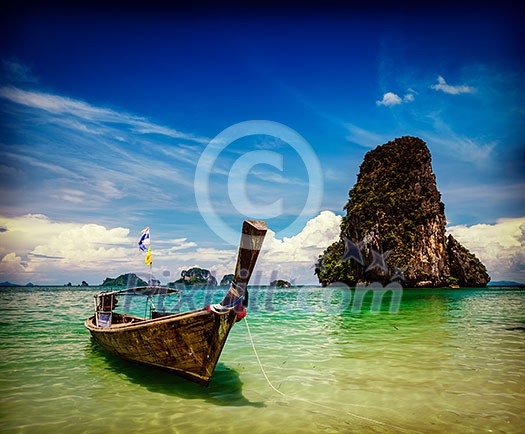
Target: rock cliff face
{"x":394,"y":229}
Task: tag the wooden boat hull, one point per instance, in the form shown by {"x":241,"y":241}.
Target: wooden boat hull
{"x":188,"y":344}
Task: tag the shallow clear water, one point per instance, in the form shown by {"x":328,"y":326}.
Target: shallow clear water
{"x":448,"y":361}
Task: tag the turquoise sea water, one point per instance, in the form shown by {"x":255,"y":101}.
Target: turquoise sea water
{"x":448,"y":361}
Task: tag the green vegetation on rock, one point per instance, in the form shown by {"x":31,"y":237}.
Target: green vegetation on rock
{"x":127,"y":280}
{"x":394,"y":229}
{"x":227,"y":279}
{"x":280,"y":283}
{"x":195,"y":276}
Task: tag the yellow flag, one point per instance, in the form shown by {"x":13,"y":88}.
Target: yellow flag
{"x":147,"y":261}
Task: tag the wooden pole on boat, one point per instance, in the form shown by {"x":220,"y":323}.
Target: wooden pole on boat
{"x":253,"y":232}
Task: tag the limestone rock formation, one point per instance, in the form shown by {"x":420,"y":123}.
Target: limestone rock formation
{"x":127,"y":280}
{"x":195,"y":276}
{"x":394,"y":229}
{"x":227,"y":280}
{"x":280,"y":283}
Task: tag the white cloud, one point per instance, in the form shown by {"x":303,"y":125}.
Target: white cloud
{"x":318,"y":233}
{"x":18,"y":72}
{"x":22,"y":234}
{"x":409,"y":97}
{"x":177,"y":243}
{"x":183,"y":152}
{"x":293,"y":258}
{"x":390,"y":99}
{"x":169,"y":262}
{"x":461,"y":147}
{"x":501,"y":246}
{"x":290,"y":259}
{"x":70,"y":195}
{"x":12,"y":264}
{"x":452,"y":90}
{"x":364,"y":137}
{"x":456,"y":194}
{"x":277,"y":178}
{"x":89,"y":113}
{"x":38,"y":249}
{"x":51,"y":167}
{"x":57,"y":104}
{"x":86,"y":244}
{"x":108,"y":189}
{"x":99,"y":154}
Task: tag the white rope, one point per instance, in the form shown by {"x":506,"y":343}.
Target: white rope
{"x":259,"y":360}
{"x":312,"y":402}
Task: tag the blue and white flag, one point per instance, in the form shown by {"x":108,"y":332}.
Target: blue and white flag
{"x":144,"y":241}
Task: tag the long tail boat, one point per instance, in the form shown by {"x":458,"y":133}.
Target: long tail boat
{"x":188,"y":344}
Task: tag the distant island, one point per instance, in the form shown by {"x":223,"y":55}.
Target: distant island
{"x":195,"y":277}
{"x":394,"y":228}
{"x":128,"y":280}
{"x":280,"y":283}
{"x":227,"y":280}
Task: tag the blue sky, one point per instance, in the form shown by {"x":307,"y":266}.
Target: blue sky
{"x":105,"y":116}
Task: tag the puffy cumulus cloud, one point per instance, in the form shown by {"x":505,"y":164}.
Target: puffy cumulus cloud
{"x":86,"y":244}
{"x":12,"y":264}
{"x":294,"y":258}
{"x":317,"y":234}
{"x":38,"y":248}
{"x":452,"y":90}
{"x":501,"y":246}
{"x":390,"y":99}
{"x":291,"y":258}
{"x":21,"y":234}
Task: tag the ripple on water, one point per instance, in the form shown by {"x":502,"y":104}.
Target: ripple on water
{"x":449,"y":361}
